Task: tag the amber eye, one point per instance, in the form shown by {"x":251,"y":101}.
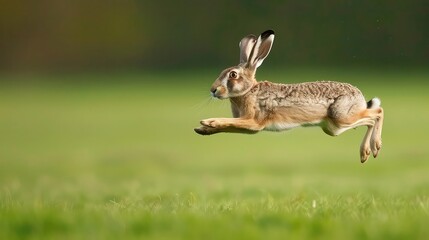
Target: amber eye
{"x":233,"y":74}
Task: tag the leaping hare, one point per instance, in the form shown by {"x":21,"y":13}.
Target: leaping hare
{"x":335,"y":107}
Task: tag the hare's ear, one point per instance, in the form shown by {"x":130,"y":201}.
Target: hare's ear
{"x":261,"y":49}
{"x":246,"y":45}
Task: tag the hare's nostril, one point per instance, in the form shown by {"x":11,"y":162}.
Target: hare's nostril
{"x":213,"y":91}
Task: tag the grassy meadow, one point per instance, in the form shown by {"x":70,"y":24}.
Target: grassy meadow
{"x":114,"y":156}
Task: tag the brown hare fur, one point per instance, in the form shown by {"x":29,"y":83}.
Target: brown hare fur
{"x":335,"y":107}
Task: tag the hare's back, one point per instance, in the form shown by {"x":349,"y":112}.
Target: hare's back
{"x":306,"y":94}
{"x":324,"y":89}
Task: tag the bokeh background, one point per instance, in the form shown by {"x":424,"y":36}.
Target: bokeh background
{"x":106,"y":35}
{"x":98,"y":101}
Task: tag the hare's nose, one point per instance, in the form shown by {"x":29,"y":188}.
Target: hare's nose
{"x":213,"y":91}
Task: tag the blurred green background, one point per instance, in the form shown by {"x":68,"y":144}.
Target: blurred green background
{"x":98,"y":101}
{"x":70,"y":35}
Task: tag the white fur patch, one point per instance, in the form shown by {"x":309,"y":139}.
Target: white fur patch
{"x":376,"y":102}
{"x":281,"y":126}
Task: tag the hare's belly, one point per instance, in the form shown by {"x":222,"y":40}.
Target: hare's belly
{"x":283,"y":126}
{"x":280,"y":126}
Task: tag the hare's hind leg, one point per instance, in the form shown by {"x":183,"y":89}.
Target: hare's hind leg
{"x":346,"y":113}
{"x":365,"y":146}
{"x":376,"y":134}
{"x":372,"y":137}
{"x":334,"y":128}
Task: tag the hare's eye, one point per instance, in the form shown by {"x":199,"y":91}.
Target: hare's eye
{"x":233,"y":74}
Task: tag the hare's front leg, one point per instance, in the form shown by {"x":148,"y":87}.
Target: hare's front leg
{"x":240,"y":123}
{"x":233,"y":125}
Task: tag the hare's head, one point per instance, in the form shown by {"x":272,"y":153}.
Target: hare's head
{"x":238,"y":80}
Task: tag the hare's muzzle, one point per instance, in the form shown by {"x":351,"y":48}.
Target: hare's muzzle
{"x":216,"y":92}
{"x":213,"y":92}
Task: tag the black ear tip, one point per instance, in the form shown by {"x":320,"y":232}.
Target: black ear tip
{"x":267,"y":33}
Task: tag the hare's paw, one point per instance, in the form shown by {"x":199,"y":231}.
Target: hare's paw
{"x":375,"y":146}
{"x":211,"y":122}
{"x":209,"y":126}
{"x":365,"y":152}
{"x":204,"y":130}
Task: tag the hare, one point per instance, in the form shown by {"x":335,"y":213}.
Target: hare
{"x":335,"y":107}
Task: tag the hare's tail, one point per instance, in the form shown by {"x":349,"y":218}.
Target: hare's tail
{"x":373,"y":103}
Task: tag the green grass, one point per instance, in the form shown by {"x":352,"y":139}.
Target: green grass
{"x":116,"y":157}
